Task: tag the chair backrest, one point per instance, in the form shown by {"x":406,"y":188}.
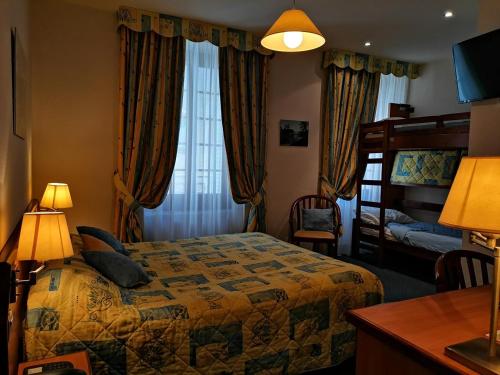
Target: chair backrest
{"x":312,"y":201}
{"x":460,"y":269}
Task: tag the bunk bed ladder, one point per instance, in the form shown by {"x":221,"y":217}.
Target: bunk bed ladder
{"x":363,"y":161}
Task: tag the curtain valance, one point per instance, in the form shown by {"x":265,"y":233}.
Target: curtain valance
{"x":196,"y":31}
{"x":372,"y":64}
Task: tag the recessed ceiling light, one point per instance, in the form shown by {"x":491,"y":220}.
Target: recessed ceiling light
{"x":368,"y":43}
{"x":448,"y":14}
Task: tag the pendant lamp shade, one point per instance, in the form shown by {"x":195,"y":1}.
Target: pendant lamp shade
{"x":293,"y":31}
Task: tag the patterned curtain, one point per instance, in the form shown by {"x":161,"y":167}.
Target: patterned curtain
{"x":350,"y":98}
{"x":196,"y":31}
{"x":372,"y":64}
{"x":243,"y":90}
{"x":152,"y":74}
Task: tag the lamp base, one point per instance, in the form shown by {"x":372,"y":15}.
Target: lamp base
{"x":474,"y":354}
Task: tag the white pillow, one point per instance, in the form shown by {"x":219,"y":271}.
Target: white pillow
{"x":371,"y":215}
{"x":369,"y":218}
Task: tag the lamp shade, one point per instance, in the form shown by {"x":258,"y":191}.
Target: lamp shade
{"x":473,"y":202}
{"x":44,"y":236}
{"x":56,"y":196}
{"x":293,"y":31}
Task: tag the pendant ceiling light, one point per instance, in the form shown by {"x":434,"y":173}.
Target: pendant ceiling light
{"x":293,"y":31}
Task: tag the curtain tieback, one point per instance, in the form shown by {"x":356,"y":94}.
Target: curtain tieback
{"x":256,"y":199}
{"x":326,"y":187}
{"x":125,"y":195}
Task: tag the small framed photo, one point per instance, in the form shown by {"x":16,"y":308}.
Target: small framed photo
{"x":294,"y":133}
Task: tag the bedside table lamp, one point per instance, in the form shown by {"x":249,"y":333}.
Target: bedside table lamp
{"x":44,"y":236}
{"x":56,"y":196}
{"x":473,"y":204}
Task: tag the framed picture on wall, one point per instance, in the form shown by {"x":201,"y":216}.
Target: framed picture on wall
{"x":19,"y":82}
{"x":294,"y":133}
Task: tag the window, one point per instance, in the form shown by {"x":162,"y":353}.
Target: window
{"x":199,"y":200}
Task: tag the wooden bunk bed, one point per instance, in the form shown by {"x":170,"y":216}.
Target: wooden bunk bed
{"x":387,"y":137}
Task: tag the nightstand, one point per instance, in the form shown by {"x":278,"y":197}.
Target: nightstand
{"x":79,"y":360}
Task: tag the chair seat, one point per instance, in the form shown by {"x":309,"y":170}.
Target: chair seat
{"x":314,"y":235}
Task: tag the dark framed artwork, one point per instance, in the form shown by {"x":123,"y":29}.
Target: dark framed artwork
{"x":294,"y":133}
{"x":19,"y":90}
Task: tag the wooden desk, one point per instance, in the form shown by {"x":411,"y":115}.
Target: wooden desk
{"x":80,"y":360}
{"x":411,"y":335}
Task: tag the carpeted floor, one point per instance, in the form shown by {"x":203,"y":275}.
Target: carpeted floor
{"x":397,"y":286}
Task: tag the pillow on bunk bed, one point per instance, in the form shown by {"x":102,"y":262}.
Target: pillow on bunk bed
{"x":371,"y":215}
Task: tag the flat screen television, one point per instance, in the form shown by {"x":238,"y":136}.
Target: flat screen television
{"x":477,"y":67}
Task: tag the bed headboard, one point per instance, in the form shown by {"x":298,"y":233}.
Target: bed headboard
{"x":11,"y":330}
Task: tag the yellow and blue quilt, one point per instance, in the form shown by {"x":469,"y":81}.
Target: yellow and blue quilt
{"x":430,"y":167}
{"x":230,"y":304}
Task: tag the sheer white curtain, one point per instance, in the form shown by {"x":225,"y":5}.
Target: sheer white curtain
{"x":199,"y":200}
{"x":392,"y":89}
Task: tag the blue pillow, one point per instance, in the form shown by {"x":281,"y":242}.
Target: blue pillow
{"x":117,"y":267}
{"x":318,"y":219}
{"x":98,"y":239}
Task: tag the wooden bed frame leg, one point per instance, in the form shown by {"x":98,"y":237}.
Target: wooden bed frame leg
{"x":354,"y":241}
{"x":333,"y":249}
{"x":5,"y":299}
{"x":381,"y":256}
{"x":316,"y":248}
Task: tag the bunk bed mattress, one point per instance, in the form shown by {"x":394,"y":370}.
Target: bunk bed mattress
{"x":429,"y":241}
{"x":422,"y":238}
{"x":374,"y":233}
{"x":239,"y":304}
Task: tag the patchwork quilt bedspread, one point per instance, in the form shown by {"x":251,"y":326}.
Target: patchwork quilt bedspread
{"x":230,"y":304}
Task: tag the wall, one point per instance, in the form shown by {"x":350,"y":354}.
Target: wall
{"x":75,"y":79}
{"x":75,"y":90}
{"x":15,"y":153}
{"x":295,"y":94}
{"x":435,"y":91}
{"x":485,"y":125}
{"x":75,"y":97}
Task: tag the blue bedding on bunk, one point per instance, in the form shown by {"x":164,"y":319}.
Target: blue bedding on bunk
{"x":427,"y":235}
{"x":422,"y":226}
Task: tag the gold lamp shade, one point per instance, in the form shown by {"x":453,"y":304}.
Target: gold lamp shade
{"x":56,"y":196}
{"x":44,"y":236}
{"x":293,"y":31}
{"x":474,"y":199}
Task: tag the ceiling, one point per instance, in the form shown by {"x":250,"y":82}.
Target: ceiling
{"x":411,"y":30}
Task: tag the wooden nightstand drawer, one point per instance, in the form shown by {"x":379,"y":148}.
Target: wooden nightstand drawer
{"x":79,"y":360}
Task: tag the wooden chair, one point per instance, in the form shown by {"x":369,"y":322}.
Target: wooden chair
{"x":459,"y":269}
{"x":297,"y":235}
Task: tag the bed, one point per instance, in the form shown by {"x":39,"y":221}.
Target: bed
{"x":230,"y":304}
{"x":407,"y":164}
{"x":402,"y":228}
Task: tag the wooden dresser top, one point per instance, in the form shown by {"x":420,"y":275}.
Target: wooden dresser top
{"x":423,"y":327}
